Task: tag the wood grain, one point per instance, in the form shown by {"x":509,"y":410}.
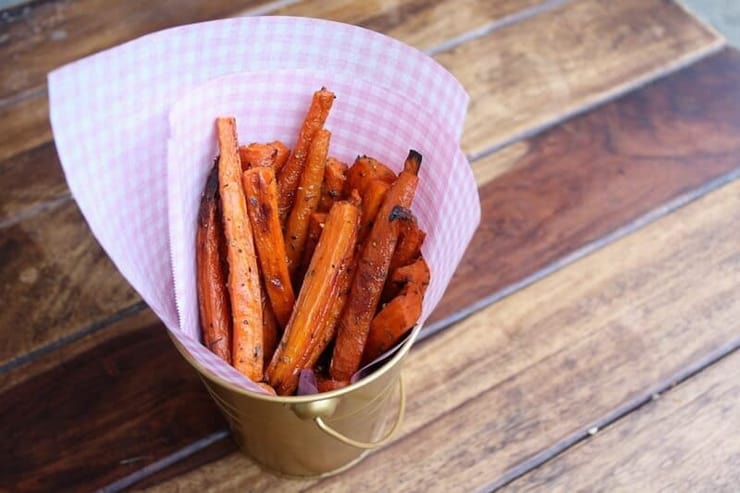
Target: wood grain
{"x":24,"y":124}
{"x":525,"y":377}
{"x":107,"y":412}
{"x":132,"y":320}
{"x":54,"y":280}
{"x":521,"y":76}
{"x":420,"y":23}
{"x":45,"y":35}
{"x":636,"y":145}
{"x":32,"y":181}
{"x":686,"y":440}
{"x":540,"y":70}
{"x":598,"y":172}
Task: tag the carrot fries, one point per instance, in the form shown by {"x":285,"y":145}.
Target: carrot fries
{"x":243,"y":283}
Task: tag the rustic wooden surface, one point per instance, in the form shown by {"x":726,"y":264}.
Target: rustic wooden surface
{"x":685,"y":36}
{"x":690,"y":432}
{"x":525,"y":376}
{"x":531,"y":374}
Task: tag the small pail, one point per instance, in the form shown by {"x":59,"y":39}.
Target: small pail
{"x":312,"y":435}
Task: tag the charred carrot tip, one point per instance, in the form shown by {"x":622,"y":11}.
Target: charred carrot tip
{"x":413,"y":162}
{"x":401,"y":213}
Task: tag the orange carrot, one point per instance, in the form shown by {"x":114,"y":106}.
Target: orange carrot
{"x":319,"y":292}
{"x":328,"y":330}
{"x":291,"y":172}
{"x":281,"y":157}
{"x":363,"y":171}
{"x":213,"y":298}
{"x":261,"y":193}
{"x":400,"y":314}
{"x":255,"y":155}
{"x":371,"y":202}
{"x":408,"y":249}
{"x":270,"y":332}
{"x":244,"y":284}
{"x":306,"y":199}
{"x":372,"y":270}
{"x":327,"y":384}
{"x":334,"y":176}
{"x":273,"y":154}
{"x":315,"y":227}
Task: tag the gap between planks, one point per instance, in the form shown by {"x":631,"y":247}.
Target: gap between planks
{"x":615,"y":417}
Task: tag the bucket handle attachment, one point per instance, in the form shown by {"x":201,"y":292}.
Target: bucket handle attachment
{"x":318,"y":410}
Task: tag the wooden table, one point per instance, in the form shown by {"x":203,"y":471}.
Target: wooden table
{"x":588,"y":342}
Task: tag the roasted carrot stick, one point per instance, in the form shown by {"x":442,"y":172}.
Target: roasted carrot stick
{"x":371,"y":202}
{"x":319,"y":292}
{"x":291,"y":173}
{"x":315,"y":227}
{"x":328,"y":330}
{"x":400,"y":314}
{"x":372,"y":270}
{"x":213,"y":298}
{"x":281,"y":157}
{"x":256,"y":154}
{"x":334,"y":176}
{"x":273,"y":155}
{"x":306,"y":199}
{"x":327,"y":384}
{"x":244,"y":284}
{"x":270,"y":332}
{"x":363,"y":171}
{"x":408,"y":249}
{"x":261,"y":193}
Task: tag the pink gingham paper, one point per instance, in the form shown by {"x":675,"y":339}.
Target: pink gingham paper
{"x":133,"y":127}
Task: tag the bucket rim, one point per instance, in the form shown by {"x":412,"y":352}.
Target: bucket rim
{"x":300,"y":399}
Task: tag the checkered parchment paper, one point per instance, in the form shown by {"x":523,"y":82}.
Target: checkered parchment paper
{"x":134,"y":129}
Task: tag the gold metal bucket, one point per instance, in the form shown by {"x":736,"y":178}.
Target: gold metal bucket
{"x":312,"y":435}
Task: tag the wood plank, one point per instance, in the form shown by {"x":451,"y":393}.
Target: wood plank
{"x":596,"y":173}
{"x":24,"y":124}
{"x":33,"y":181}
{"x":519,"y":381}
{"x":686,"y":440}
{"x":55,"y":280}
{"x":539,"y":71}
{"x":44,"y":35}
{"x":631,"y":162}
{"x":105,"y":413}
{"x":132,"y":320}
{"x":420,"y":23}
{"x":579,"y":49}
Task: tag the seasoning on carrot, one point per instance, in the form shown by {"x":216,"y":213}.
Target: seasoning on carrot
{"x":371,"y":202}
{"x":213,"y":299}
{"x":328,"y":330}
{"x":290,"y":174}
{"x":255,"y":154}
{"x":400,"y":314}
{"x":306,"y":200}
{"x":372,"y":270}
{"x":408,"y":249}
{"x":319,"y":292}
{"x":334,"y":176}
{"x":270,"y":332}
{"x":315,"y":227}
{"x":363,"y":171}
{"x":243,"y":283}
{"x":260,"y":189}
